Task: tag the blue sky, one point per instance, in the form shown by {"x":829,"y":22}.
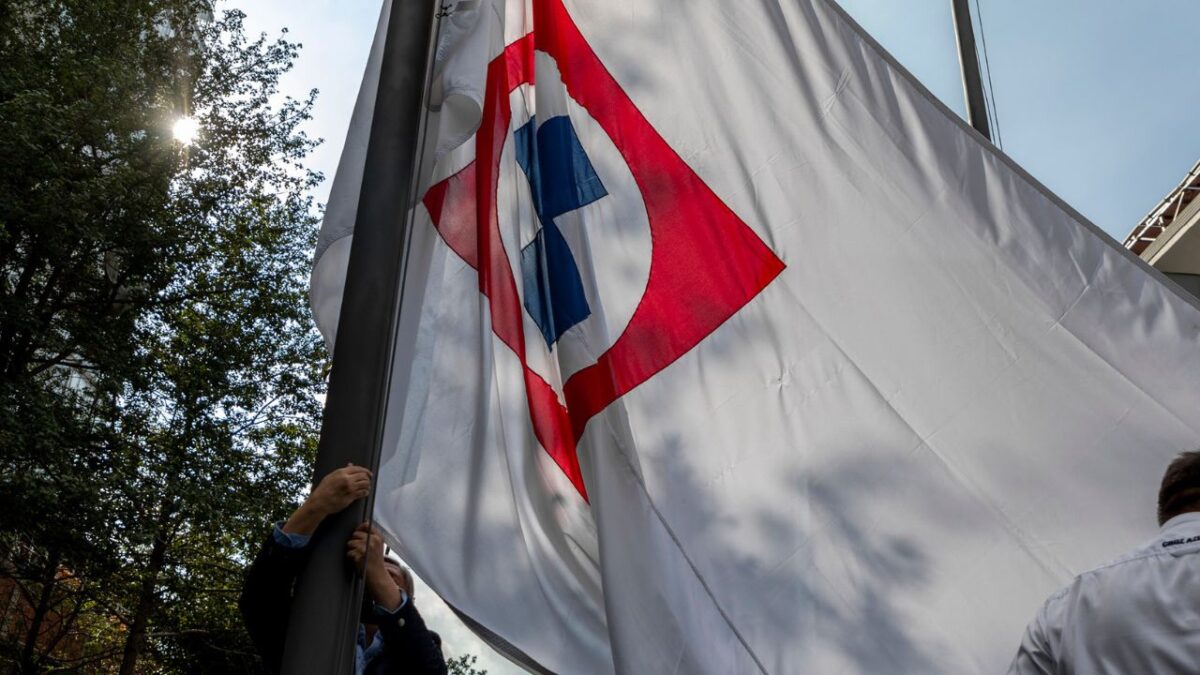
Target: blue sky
{"x":1097,"y":99}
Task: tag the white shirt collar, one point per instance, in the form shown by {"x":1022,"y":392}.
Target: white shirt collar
{"x":1182,"y":520}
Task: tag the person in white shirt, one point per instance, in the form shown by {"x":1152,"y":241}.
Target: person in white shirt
{"x":1137,"y":615}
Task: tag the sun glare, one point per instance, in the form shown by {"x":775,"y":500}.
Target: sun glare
{"x":186,"y":129}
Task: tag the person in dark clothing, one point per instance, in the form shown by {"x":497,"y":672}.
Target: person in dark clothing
{"x":393,"y":637}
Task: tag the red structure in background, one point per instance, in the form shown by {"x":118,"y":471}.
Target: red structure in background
{"x":59,"y":640}
{"x":1165,"y":214}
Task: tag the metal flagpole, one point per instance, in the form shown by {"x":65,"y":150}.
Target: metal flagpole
{"x":968,"y":59}
{"x":323,"y":626}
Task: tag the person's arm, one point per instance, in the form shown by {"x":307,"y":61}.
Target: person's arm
{"x":1038,"y":653}
{"x":336,"y":491}
{"x":410,"y":645}
{"x":409,"y":642}
{"x":365,"y":550}
{"x":266,"y":599}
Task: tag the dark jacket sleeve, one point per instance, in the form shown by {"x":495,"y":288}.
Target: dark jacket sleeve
{"x":410,"y":646}
{"x":266,"y":600}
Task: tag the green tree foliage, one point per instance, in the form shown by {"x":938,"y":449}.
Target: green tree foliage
{"x":158,"y":370}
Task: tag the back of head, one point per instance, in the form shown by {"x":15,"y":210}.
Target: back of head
{"x":1180,"y":491}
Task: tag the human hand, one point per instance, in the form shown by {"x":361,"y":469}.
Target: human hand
{"x":340,"y":489}
{"x":365,"y":550}
{"x":334,"y":492}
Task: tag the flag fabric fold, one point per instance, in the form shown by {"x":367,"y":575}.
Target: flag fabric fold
{"x":725,"y":347}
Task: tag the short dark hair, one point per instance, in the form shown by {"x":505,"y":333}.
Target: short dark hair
{"x":1180,"y":491}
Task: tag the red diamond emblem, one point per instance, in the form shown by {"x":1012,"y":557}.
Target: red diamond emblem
{"x":706,"y":263}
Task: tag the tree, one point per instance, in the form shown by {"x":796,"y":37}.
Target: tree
{"x":463,"y":665}
{"x":84,"y":213}
{"x":158,"y":369}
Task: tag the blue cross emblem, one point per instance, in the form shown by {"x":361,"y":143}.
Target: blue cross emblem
{"x":561,"y":179}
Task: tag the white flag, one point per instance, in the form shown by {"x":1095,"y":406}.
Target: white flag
{"x":726,"y":348}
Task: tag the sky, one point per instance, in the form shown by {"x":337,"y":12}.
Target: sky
{"x":1095,"y":99}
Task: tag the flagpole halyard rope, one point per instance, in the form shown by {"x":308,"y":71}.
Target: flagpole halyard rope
{"x":993,"y":111}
